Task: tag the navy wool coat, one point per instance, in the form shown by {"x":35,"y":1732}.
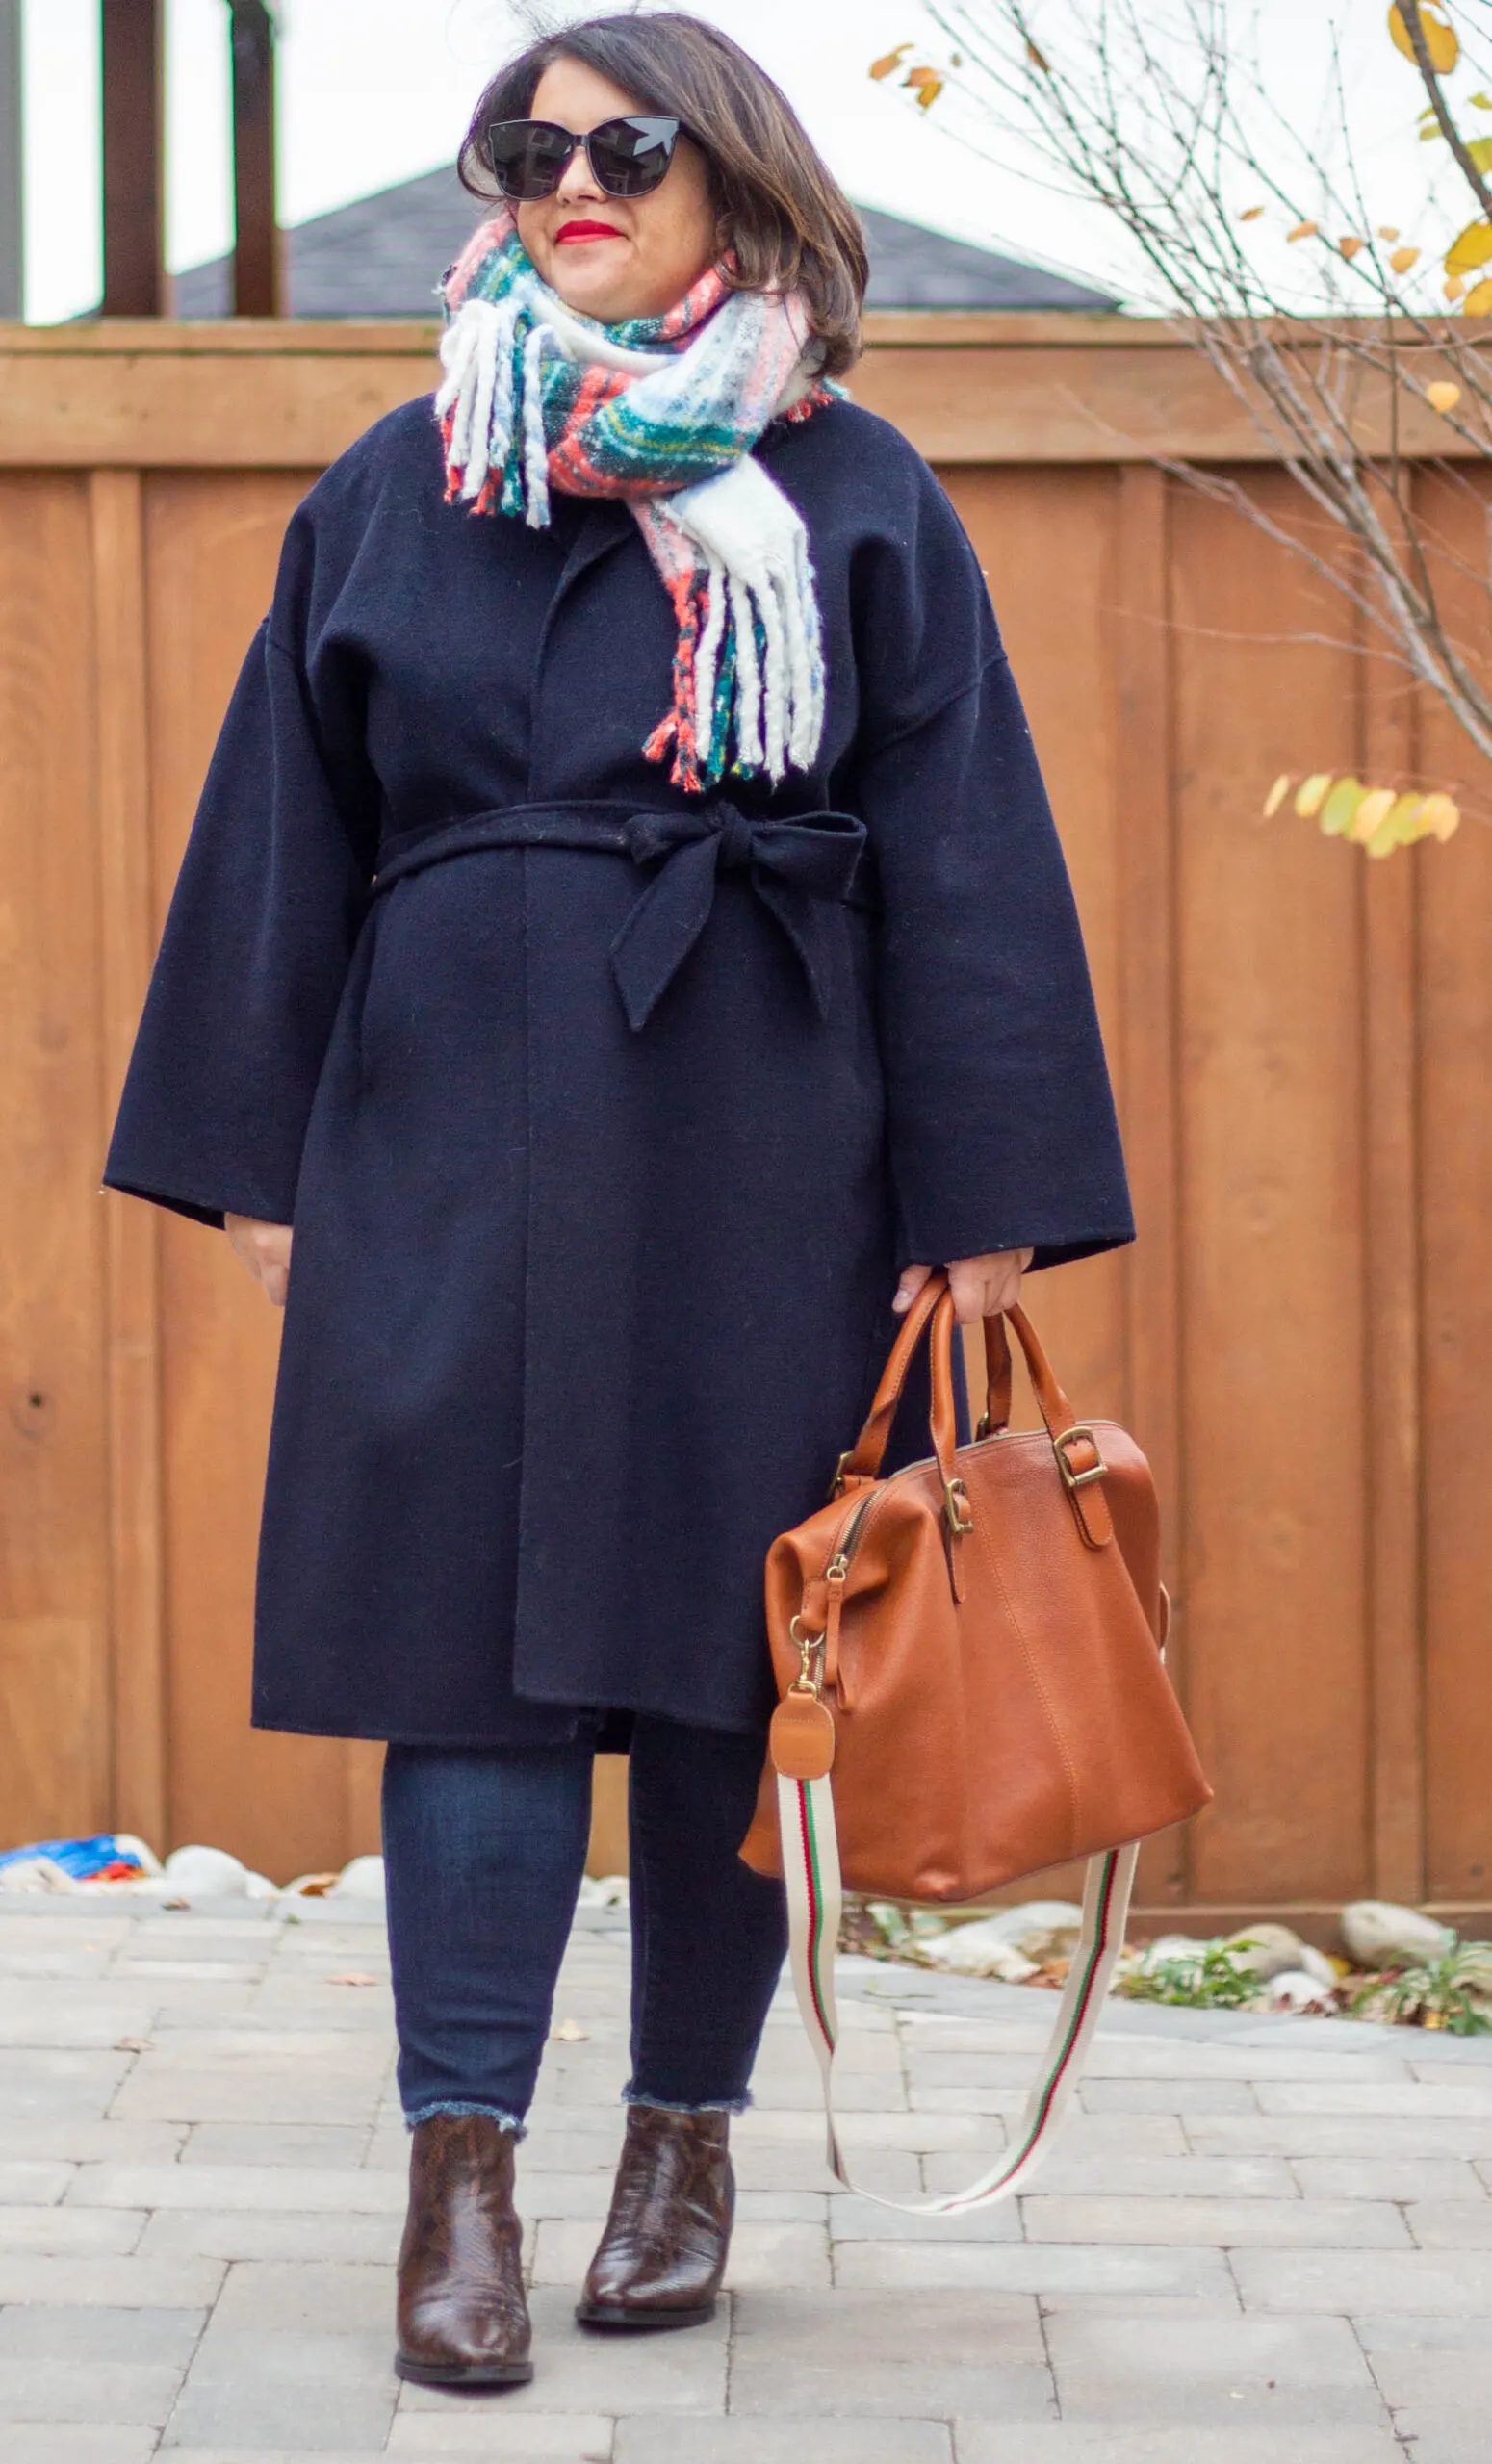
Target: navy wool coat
{"x":604,"y":1114}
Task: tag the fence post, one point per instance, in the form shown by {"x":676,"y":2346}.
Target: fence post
{"x":258,"y":278}
{"x":132,"y":110}
{"x":12,"y":161}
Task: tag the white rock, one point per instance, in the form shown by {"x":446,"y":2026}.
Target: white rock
{"x":1187,"y":1950}
{"x":980,"y":1949}
{"x":1040,"y":1929}
{"x":206,"y":1873}
{"x":128,"y":1844}
{"x":1316,"y":1964}
{"x":260,"y":1887}
{"x":362,"y":1879}
{"x":1378,"y":1934}
{"x":33,"y":1874}
{"x":1295,"y":1988}
{"x":1264,"y":1950}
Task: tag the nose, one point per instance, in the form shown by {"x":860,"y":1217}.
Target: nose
{"x":578,"y":185}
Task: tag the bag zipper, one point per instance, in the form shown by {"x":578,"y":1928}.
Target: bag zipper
{"x":850,"y":1534}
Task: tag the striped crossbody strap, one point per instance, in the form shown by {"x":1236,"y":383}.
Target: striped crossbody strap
{"x":811,"y":1866}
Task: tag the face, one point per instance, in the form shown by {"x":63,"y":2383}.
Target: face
{"x":614,"y":257}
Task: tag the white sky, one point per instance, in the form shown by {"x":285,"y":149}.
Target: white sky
{"x":374,"y":91}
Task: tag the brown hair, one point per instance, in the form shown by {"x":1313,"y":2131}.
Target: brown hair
{"x":783,"y":215}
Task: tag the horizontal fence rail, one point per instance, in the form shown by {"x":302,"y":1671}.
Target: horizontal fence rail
{"x":1302,"y":1336}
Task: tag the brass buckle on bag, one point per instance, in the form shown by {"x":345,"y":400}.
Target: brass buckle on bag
{"x":808,"y":1648}
{"x":1078,"y":1479}
{"x":958,"y":1512}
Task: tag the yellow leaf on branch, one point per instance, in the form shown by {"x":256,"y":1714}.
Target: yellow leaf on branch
{"x":1378,"y":819}
{"x":1478,"y":301}
{"x":889,"y":62}
{"x":1403,"y":258}
{"x":1453,"y":287}
{"x":1303,"y":231}
{"x":1395,"y":828}
{"x":1388,"y":230}
{"x":1250,"y":214}
{"x":1440,"y":37}
{"x":1480,"y":102}
{"x":1470,"y":248}
{"x":1444,"y":395}
{"x":1037,"y":59}
{"x":926,"y":84}
{"x":1336,"y":813}
{"x":1376,"y":806}
{"x":1440,"y":817}
{"x":1350,"y":247}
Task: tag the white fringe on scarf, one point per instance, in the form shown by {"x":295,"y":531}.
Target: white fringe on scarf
{"x":737,"y":530}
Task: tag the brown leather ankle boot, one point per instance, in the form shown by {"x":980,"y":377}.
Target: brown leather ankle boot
{"x":663,"y":2252}
{"x":462,"y":2316}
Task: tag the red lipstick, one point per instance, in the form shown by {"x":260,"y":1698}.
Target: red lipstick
{"x":581,"y":230}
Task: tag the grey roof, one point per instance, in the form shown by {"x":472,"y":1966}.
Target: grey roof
{"x":383,"y":256}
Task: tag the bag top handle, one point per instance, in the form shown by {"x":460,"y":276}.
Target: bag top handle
{"x":863,"y":1460}
{"x":1076,"y":1449}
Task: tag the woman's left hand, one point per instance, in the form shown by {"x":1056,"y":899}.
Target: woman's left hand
{"x":980,"y":1286}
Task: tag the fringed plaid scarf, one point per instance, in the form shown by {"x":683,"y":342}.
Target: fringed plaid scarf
{"x":662,"y":411}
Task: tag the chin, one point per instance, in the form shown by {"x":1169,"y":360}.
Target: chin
{"x":598,"y":299}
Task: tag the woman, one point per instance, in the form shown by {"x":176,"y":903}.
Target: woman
{"x":623,"y":928}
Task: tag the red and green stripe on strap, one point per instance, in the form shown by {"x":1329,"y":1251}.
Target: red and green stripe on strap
{"x":811,"y":1866}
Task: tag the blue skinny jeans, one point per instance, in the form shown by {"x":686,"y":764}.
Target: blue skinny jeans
{"x":484,"y":1852}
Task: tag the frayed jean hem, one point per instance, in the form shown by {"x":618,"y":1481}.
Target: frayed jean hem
{"x":496,"y":2113}
{"x":664,"y":2104}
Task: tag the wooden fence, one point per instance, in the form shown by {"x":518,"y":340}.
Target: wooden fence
{"x":1302,"y":1336}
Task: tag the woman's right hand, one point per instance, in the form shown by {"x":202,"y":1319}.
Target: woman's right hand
{"x":265,"y":1250}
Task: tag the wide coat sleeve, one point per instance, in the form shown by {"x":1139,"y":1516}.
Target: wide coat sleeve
{"x":259,"y":935}
{"x":1001,"y":1120}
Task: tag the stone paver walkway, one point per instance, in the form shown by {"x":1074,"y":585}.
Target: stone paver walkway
{"x":1262,"y":2242}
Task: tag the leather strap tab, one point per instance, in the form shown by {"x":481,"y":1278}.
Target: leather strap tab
{"x":801,"y":1738}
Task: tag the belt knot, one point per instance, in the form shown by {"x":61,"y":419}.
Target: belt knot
{"x":799,"y":869}
{"x":737,"y":839}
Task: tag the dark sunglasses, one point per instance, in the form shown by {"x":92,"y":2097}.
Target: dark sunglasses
{"x":528,"y":158}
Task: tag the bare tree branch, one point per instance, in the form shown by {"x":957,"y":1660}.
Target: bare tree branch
{"x":1414,"y":28}
{"x":1160,"y":126}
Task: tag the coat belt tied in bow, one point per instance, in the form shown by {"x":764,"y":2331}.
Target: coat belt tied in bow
{"x":798,"y":868}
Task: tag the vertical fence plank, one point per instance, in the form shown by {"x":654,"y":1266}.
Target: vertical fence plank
{"x":1271,"y":1169}
{"x":130,"y":1231}
{"x":54,"y":1683}
{"x":1147,"y":1076}
{"x":1391,"y":1358}
{"x":1044,"y":540}
{"x":363,"y":1761}
{"x":1456,"y":1187}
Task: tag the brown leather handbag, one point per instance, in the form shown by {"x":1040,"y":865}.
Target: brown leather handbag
{"x":969,"y":1656}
